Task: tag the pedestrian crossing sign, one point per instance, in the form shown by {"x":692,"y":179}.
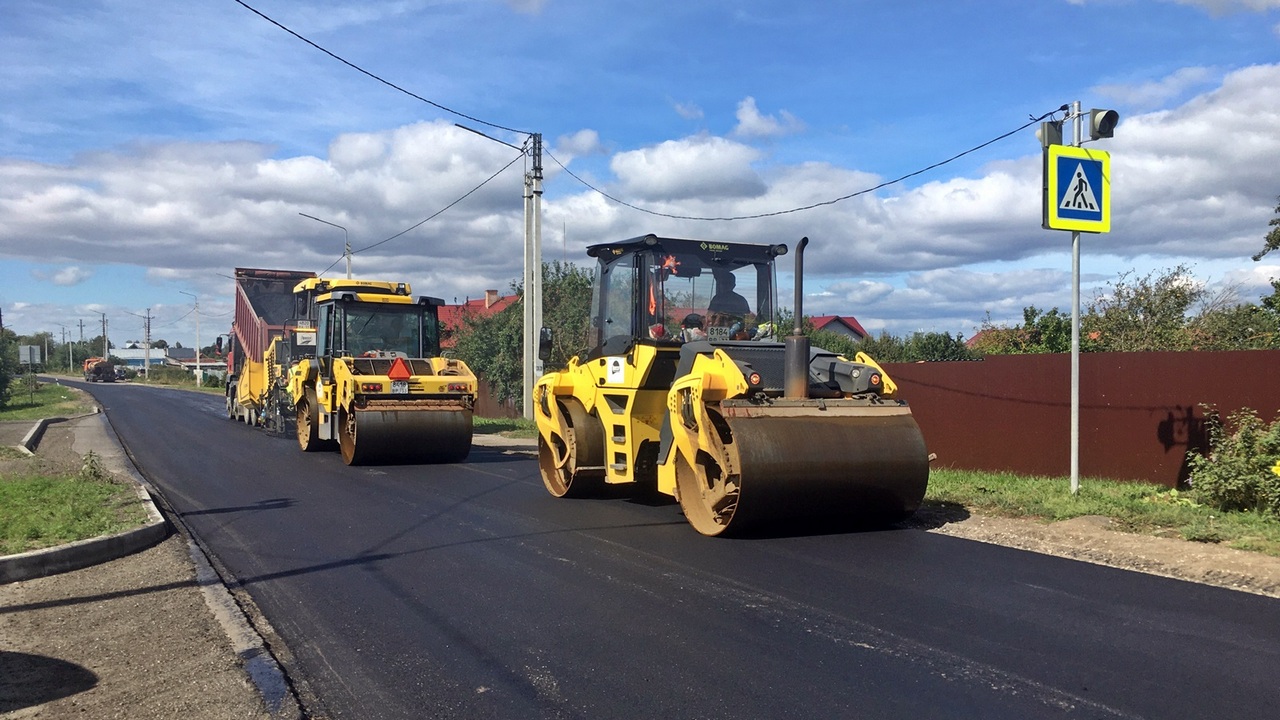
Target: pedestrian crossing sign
{"x":1077,"y":189}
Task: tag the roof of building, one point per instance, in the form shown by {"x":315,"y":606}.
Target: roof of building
{"x":490,"y":303}
{"x":823,"y":322}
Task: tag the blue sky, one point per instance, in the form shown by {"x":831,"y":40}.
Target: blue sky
{"x":147,"y":149}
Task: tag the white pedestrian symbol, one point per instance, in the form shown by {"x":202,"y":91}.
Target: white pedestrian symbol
{"x":1079,"y":195}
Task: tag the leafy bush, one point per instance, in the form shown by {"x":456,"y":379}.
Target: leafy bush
{"x":170,"y":374}
{"x":1242,"y":469}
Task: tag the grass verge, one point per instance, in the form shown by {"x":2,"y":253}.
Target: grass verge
{"x":1133,"y":507}
{"x":509,"y":427}
{"x":39,"y":511}
{"x":43,"y":400}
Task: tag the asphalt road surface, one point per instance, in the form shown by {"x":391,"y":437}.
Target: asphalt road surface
{"x":467,"y":591}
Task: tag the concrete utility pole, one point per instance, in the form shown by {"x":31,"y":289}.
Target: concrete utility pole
{"x":146,"y":344}
{"x":532,"y":273}
{"x":64,"y":342}
{"x":199,"y":372}
{"x":532,"y":261}
{"x":106,"y":347}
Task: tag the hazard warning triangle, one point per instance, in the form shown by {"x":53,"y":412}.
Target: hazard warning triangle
{"x":399,"y":370}
{"x":1079,"y":195}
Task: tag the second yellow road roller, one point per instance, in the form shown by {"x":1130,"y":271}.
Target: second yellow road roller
{"x":690,"y":388}
{"x":354,"y":364}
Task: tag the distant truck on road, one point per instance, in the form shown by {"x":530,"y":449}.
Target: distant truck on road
{"x":98,"y":369}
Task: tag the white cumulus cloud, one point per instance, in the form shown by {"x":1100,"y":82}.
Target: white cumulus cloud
{"x":751,"y":123}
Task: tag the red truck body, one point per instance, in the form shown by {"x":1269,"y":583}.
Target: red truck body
{"x":264,"y":303}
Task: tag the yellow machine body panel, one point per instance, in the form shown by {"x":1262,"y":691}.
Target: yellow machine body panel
{"x":611,"y":388}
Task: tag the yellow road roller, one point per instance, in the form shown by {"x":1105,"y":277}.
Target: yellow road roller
{"x":688,"y":388}
{"x":366,"y":374}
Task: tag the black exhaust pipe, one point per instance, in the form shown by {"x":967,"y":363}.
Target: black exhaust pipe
{"x":795,"y":355}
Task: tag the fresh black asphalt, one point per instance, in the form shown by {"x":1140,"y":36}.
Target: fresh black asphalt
{"x":467,"y":591}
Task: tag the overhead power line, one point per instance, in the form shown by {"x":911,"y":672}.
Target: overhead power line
{"x":432,"y":216}
{"x":604,"y":194}
{"x":823,"y":203}
{"x":384,"y":81}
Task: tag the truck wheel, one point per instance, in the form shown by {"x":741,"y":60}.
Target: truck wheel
{"x":232,"y":389}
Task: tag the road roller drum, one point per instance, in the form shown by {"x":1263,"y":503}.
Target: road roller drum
{"x":795,"y":460}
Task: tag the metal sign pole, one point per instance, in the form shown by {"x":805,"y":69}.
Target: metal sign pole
{"x":1075,"y":329}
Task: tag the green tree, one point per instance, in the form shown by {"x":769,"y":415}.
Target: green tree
{"x":1271,"y":303}
{"x":1147,"y":313}
{"x":832,"y":341}
{"x":936,"y":347}
{"x":1238,"y":327}
{"x":1272,"y":240}
{"x":8,"y":363}
{"x":566,"y":309}
{"x":1040,"y":332}
{"x":883,"y":348}
{"x":993,"y":339}
{"x":493,"y":345}
{"x":1047,"y":332}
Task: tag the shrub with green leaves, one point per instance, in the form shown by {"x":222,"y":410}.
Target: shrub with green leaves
{"x":1242,"y":469}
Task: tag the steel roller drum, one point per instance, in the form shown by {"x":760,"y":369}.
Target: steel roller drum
{"x":405,"y":436}
{"x":810,"y":460}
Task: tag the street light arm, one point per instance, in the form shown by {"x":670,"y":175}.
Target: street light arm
{"x":345,"y":237}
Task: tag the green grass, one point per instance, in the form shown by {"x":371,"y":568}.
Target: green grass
{"x":1132,"y":507}
{"x":39,"y":511}
{"x":49,"y":400}
{"x":509,"y":427}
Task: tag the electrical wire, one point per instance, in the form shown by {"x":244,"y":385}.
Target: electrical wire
{"x":430,"y":217}
{"x":606,"y":195}
{"x":823,"y":203}
{"x":359,"y":69}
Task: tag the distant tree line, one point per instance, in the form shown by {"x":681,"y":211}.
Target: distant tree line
{"x":1165,"y":310}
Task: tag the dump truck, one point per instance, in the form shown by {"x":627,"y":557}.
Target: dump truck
{"x":262,"y":342}
{"x":351,"y":364}
{"x":98,"y":369}
{"x":689,"y":389}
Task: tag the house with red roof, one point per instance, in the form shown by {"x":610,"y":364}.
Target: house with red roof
{"x":451,"y":316}
{"x":846,"y":325}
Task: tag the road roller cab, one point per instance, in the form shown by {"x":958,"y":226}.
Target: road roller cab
{"x":689,"y":388}
{"x":376,"y":384}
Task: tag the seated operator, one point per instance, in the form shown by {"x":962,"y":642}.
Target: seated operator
{"x":725,"y":300}
{"x":727,"y":309}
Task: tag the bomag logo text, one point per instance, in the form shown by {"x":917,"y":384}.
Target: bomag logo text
{"x":715,"y":247}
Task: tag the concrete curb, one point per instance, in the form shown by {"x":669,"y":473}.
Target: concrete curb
{"x":84,"y":553}
{"x":520,"y":445}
